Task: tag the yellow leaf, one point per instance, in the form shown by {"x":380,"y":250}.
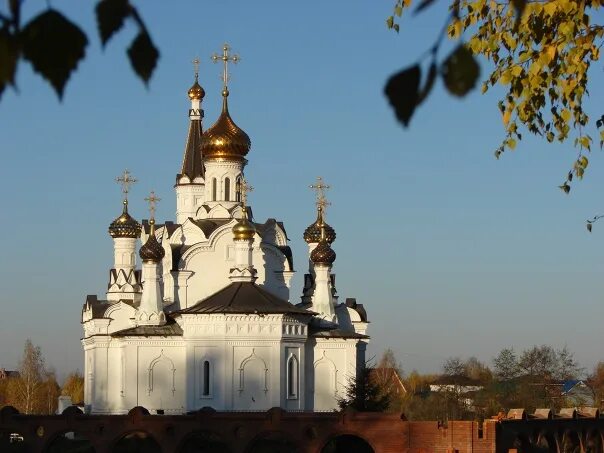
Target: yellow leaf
{"x":516,"y":70}
{"x":506,"y":117}
{"x":505,"y":77}
{"x":565,"y":114}
{"x":511,"y":143}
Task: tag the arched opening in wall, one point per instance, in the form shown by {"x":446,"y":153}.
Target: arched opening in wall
{"x":227,"y":189}
{"x":214,"y":189}
{"x":69,"y":442}
{"x":347,"y":443}
{"x":238,"y":190}
{"x":136,"y":442}
{"x":206,"y":389}
{"x":12,"y":442}
{"x":292,"y":377}
{"x":203,"y":442}
{"x":274,"y":442}
{"x":570,"y":443}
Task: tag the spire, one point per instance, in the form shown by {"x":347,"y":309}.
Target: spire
{"x":192,"y":163}
{"x":244,"y":230}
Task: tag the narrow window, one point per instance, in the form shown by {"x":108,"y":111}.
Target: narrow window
{"x":227,"y":189}
{"x":292,"y":378}
{"x":206,"y":378}
{"x":238,"y":190}
{"x":213,"y":189}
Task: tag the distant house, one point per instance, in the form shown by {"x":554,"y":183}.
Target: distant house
{"x":6,"y":374}
{"x":456,"y":383}
{"x":389,"y":379}
{"x":577,"y":393}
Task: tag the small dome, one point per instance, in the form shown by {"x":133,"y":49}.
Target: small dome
{"x":323,"y":253}
{"x":152,"y":251}
{"x":225,"y":140}
{"x":312,"y":234}
{"x":125,"y":226}
{"x":196,"y":92}
{"x":244,"y":230}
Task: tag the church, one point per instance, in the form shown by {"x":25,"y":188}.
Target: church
{"x":207,"y":320}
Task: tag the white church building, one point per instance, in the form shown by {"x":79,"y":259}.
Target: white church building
{"x":207,"y":319}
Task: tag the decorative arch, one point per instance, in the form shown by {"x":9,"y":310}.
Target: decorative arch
{"x":326,"y":360}
{"x":154,"y":362}
{"x":205,"y":441}
{"x":244,"y":362}
{"x":293,"y":377}
{"x":135,"y":441}
{"x":347,"y":442}
{"x":67,"y":441}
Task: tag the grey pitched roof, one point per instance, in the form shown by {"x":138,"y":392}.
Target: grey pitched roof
{"x":335,"y":333}
{"x":244,"y":297}
{"x":192,"y":164}
{"x":170,"y":329}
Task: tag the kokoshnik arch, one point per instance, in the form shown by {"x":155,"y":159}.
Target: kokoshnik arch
{"x":208,"y":319}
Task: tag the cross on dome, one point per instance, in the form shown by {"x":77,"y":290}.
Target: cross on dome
{"x":125,"y":180}
{"x":226,"y":58}
{"x":196,"y":67}
{"x":245,"y":188}
{"x":152,"y":200}
{"x":320,"y":187}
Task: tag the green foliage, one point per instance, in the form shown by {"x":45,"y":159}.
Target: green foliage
{"x":541,"y":52}
{"x":55,"y":46}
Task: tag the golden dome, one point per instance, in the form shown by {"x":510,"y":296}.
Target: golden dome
{"x":225,"y":140}
{"x":312,"y":234}
{"x":125,"y":226}
{"x":244,"y":230}
{"x":152,"y":251}
{"x":196,"y":92}
{"x":323,"y":253}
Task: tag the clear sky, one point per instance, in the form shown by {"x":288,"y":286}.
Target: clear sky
{"x":451,"y":251}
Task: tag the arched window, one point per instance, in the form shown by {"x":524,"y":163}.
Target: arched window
{"x":238,"y":190}
{"x":206,"y":379}
{"x":292,"y":378}
{"x":227,"y":189}
{"x":213,"y":189}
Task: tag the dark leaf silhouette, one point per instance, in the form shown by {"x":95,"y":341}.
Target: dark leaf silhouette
{"x":9,"y":54}
{"x":460,"y":71}
{"x":54,"y":45}
{"x":430,"y":79}
{"x":589,"y":225}
{"x":110,"y":16}
{"x":143,"y":56}
{"x":402,"y":92}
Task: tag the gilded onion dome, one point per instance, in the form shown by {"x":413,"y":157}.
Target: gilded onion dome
{"x":196,"y":92}
{"x":244,"y":230}
{"x":125,"y":226}
{"x":323,"y":253}
{"x":312,"y":234}
{"x":225,"y":140}
{"x":152,"y":251}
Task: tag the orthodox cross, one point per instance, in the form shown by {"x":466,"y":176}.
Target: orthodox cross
{"x":320,"y":187}
{"x":226,"y":57}
{"x":125,"y":180}
{"x":245,"y":189}
{"x":196,"y":67}
{"x":152,"y":200}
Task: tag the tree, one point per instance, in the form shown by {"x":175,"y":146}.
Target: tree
{"x":596,"y":383}
{"x":506,"y":365}
{"x":541,"y":52}
{"x":454,"y":366}
{"x":388,"y":376}
{"x":364,"y":394}
{"x":49,"y":394}
{"x":24,"y":391}
{"x":74,"y":387}
{"x":54,"y":45}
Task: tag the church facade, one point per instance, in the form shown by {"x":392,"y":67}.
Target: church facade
{"x":207,"y":319}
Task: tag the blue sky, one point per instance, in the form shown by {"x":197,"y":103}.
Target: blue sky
{"x":451,"y":251}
